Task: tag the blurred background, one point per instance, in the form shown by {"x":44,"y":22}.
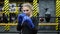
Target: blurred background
{"x":47,"y":11}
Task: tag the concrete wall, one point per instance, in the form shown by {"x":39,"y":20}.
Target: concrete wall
{"x":50,"y":4}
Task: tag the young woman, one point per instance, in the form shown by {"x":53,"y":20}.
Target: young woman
{"x":25,"y":20}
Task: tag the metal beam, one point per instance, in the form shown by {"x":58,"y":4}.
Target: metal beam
{"x":40,"y":24}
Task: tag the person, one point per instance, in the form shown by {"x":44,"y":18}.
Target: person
{"x":25,"y":20}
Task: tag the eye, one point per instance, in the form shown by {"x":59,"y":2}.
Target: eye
{"x":23,"y":11}
{"x":27,"y":10}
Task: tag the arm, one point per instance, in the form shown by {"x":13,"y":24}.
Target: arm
{"x":19,"y":19}
{"x":28,"y":21}
{"x":19,"y":23}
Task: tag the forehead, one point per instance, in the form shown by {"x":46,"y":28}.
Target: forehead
{"x":25,"y":8}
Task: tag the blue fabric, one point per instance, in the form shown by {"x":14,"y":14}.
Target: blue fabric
{"x":23,"y":17}
{"x":20,"y":18}
{"x":28,"y":21}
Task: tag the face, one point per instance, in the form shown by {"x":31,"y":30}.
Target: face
{"x":26,"y":10}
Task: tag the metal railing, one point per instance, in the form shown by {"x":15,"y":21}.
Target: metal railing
{"x":14,"y":24}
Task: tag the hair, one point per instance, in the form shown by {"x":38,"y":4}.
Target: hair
{"x":27,"y":5}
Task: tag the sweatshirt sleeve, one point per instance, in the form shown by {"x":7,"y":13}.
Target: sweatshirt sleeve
{"x":28,"y":21}
{"x":19,"y":19}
